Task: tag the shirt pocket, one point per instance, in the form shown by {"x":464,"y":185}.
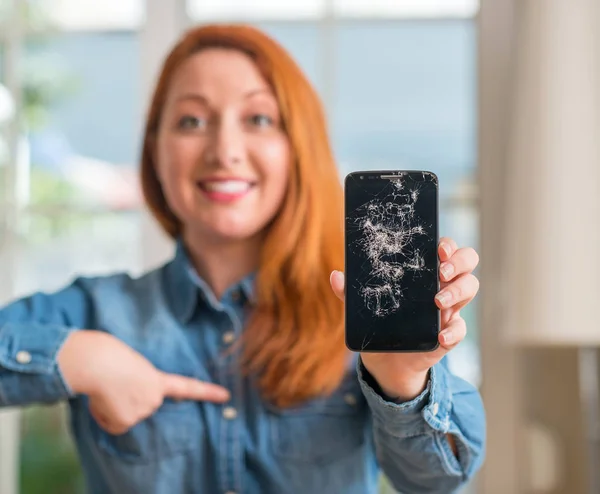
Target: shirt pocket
{"x":176,"y":427}
{"x":321,"y":431}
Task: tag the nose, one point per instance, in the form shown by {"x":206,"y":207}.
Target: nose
{"x":226,"y":145}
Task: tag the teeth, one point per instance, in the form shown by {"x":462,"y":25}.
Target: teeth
{"x":227,"y":186}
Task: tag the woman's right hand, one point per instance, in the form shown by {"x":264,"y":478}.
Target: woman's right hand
{"x":124,"y":388}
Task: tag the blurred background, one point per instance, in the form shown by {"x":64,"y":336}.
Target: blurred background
{"x":468,"y":89}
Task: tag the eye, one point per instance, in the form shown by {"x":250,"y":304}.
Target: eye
{"x":189,"y":122}
{"x":261,"y":120}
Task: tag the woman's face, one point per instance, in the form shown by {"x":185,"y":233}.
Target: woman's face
{"x":222,"y":157}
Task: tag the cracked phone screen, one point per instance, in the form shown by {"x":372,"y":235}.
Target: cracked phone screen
{"x":391,"y":237}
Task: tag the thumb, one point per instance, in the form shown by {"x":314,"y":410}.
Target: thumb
{"x":188,"y":388}
{"x":337,"y":284}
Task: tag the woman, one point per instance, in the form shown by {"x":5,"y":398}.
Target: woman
{"x":225,"y":371}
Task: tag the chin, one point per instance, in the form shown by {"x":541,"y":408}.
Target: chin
{"x":230,"y":231}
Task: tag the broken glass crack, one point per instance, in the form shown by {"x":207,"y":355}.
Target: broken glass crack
{"x":388,"y":229}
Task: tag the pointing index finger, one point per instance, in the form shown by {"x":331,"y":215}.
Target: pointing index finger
{"x":187,"y":388}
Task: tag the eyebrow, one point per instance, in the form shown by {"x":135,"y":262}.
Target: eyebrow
{"x":202,"y":99}
{"x":263,"y":90}
{"x":193,"y":97}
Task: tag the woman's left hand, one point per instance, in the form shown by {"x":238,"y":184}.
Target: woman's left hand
{"x":403,"y":376}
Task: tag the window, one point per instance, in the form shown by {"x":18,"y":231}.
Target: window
{"x":93,"y":15}
{"x":72,"y":186}
{"x":405,"y":8}
{"x":80,"y":96}
{"x":211,"y":10}
{"x":258,"y":10}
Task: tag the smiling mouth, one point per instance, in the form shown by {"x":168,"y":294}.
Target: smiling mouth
{"x":225,"y":190}
{"x":226,"y":186}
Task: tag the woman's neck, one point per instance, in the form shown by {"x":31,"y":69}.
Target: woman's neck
{"x":222,"y":263}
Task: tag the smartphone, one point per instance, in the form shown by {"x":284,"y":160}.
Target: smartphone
{"x":391,"y":261}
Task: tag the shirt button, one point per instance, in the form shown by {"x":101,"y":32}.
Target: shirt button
{"x":229,"y":413}
{"x":228,"y":337}
{"x":350,"y":399}
{"x":435,"y":408}
{"x":236,"y":295}
{"x":23,"y":357}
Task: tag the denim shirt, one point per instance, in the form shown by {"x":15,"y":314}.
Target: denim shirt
{"x":334,"y":444}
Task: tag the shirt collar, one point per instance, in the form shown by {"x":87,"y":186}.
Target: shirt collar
{"x":185,"y":287}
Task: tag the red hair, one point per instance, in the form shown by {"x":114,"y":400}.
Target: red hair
{"x":294,"y":340}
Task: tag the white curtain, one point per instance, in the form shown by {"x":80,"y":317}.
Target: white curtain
{"x":539,"y":162}
{"x":552,"y":199}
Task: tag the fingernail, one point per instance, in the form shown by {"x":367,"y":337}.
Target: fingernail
{"x":446,"y":248}
{"x":447,"y":270}
{"x":444,"y":298}
{"x":447,"y":337}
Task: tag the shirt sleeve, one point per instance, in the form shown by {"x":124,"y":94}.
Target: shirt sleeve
{"x":411,"y":440}
{"x":32,"y":332}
